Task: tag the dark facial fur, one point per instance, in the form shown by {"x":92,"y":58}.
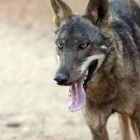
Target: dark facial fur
{"x":71,"y":34}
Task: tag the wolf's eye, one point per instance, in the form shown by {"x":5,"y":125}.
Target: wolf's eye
{"x":84,"y":45}
{"x":60,"y":45}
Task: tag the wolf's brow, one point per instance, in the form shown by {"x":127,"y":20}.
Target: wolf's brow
{"x":82,"y":40}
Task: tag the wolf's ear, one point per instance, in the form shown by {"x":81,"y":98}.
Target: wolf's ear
{"x":61,"y":11}
{"x":98,"y":11}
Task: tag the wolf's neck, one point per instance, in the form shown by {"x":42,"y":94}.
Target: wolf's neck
{"x":103,"y":86}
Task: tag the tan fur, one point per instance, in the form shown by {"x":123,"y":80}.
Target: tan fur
{"x":124,"y":127}
{"x":135,"y":130}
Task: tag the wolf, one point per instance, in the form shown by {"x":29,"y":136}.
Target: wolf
{"x":98,"y":57}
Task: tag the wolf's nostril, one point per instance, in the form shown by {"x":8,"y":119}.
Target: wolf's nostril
{"x":61,"y":80}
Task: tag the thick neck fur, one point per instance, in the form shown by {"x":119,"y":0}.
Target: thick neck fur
{"x":103,"y":86}
{"x":117,"y":68}
{"x":121,"y":65}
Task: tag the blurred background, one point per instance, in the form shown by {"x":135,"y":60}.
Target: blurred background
{"x":32,"y":106}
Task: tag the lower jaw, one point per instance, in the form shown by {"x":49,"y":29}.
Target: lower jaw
{"x":78,"y":96}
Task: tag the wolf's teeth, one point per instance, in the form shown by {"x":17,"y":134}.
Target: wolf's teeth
{"x":69,"y":94}
{"x":86,"y":73}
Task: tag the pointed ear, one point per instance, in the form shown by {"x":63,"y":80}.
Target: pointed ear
{"x":61,"y":11}
{"x":98,"y":11}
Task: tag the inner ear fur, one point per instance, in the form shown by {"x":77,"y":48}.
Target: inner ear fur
{"x":61,"y":12}
{"x":98,"y":11}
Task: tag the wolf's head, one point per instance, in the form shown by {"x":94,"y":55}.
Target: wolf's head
{"x":82,"y":43}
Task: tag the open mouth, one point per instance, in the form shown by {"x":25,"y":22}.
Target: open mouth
{"x":91,"y":70}
{"x":77,"y":90}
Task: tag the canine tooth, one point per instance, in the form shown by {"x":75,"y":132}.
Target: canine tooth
{"x":87,"y":72}
{"x":69,"y":94}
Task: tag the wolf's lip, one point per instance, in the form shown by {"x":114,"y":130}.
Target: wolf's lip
{"x":91,"y":70}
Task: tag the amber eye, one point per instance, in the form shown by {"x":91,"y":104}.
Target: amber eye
{"x":84,"y":45}
{"x":60,"y":45}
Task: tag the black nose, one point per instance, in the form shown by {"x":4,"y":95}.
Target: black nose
{"x":61,"y":79}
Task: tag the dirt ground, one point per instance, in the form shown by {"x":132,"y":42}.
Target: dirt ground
{"x":32,"y":106}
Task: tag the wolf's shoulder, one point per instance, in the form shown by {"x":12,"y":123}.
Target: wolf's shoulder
{"x":125,"y":9}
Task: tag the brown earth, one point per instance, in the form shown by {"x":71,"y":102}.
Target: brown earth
{"x":32,"y":106}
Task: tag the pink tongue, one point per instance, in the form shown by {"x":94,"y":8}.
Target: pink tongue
{"x":78,"y":96}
